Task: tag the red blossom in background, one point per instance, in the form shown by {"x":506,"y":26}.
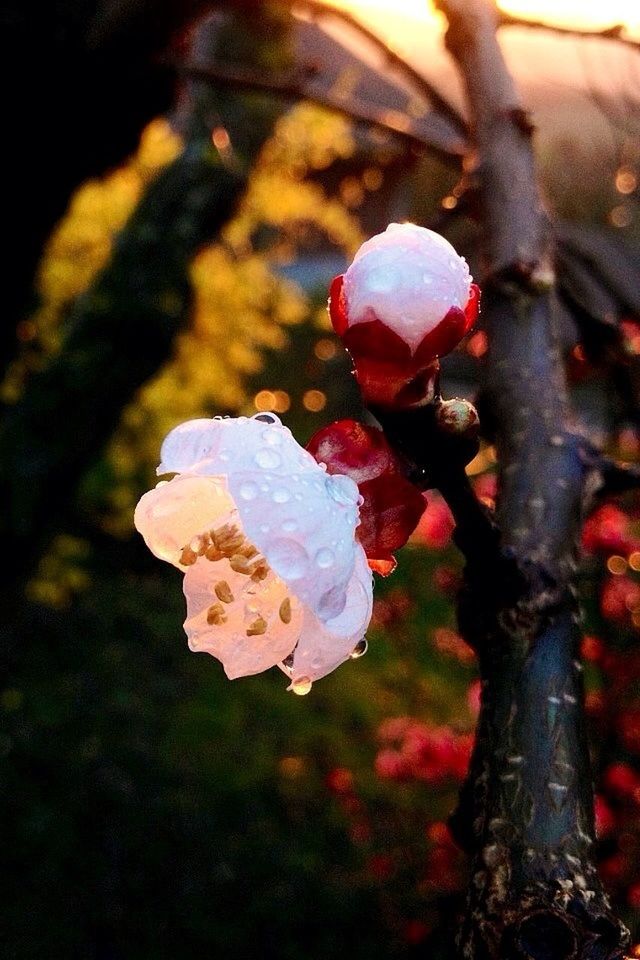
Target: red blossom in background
{"x":413,"y":750}
{"x":391,"y":505}
{"x":619,"y":598}
{"x":436,"y":523}
{"x":607,"y":530}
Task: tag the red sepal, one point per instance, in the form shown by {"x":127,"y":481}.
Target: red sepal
{"x":337,"y":306}
{"x":391,"y":506}
{"x":387,"y":372}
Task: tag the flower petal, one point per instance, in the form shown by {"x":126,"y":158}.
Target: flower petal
{"x":187,"y":445}
{"x":324,"y":646}
{"x":253,"y":627}
{"x":176,"y":511}
{"x":408,"y":277}
{"x":304,"y":525}
{"x":391,"y":505}
{"x":226,"y":445}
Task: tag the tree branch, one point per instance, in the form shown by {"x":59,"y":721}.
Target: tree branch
{"x":615,"y":32}
{"x":418,"y":80}
{"x":527,"y":808}
{"x":298,"y":85}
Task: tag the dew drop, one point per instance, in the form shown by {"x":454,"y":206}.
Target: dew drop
{"x":332,"y":603}
{"x":342,"y":489}
{"x":264,"y":528}
{"x":324,"y":558}
{"x":225,"y":456}
{"x":249,"y":490}
{"x":281,"y":495}
{"x":427,"y":278}
{"x":360,"y":649}
{"x":316,"y":663}
{"x":273,"y":437}
{"x":268,"y":459}
{"x":289,"y":526}
{"x":301,"y":686}
{"x":288,"y":558}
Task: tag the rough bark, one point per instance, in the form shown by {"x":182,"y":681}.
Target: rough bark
{"x":526,"y":809}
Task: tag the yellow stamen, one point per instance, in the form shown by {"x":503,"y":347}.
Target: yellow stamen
{"x":257,"y":628}
{"x":261,"y":572}
{"x":248,"y":550}
{"x":240,"y":564}
{"x":223,"y":591}
{"x":188,"y":557}
{"x":285,"y":610}
{"x":216,"y":615}
{"x":199,"y":544}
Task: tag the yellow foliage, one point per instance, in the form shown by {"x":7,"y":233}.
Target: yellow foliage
{"x":242,"y":305}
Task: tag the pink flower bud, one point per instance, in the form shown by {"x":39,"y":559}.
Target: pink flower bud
{"x":406,"y":300}
{"x":391,"y":506}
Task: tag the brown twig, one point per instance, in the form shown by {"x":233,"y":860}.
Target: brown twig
{"x":614,"y":32}
{"x":418,"y":80}
{"x":526,"y":811}
{"x":297,"y":85}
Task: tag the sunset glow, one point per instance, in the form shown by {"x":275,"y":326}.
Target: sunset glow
{"x":582,"y":14}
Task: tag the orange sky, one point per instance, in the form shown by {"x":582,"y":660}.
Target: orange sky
{"x":585,"y":14}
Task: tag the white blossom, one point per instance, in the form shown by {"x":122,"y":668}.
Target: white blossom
{"x":273,"y":571}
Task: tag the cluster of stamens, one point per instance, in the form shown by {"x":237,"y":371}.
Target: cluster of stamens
{"x":228,"y":542}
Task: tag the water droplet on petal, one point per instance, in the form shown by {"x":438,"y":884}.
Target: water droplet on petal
{"x":268,"y":459}
{"x":342,"y":489}
{"x":288,"y":558}
{"x":301,"y":686}
{"x":225,"y":456}
{"x":332,"y":603}
{"x":249,"y":490}
{"x":273,"y":437}
{"x":324,"y":558}
{"x":281,"y":495}
{"x":289,"y":526}
{"x":360,"y":649}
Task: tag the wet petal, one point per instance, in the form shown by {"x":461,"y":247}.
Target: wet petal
{"x":324,"y":646}
{"x":304,"y":523}
{"x":226,"y":445}
{"x":408,"y":277}
{"x":248,"y":625}
{"x":174,"y":512}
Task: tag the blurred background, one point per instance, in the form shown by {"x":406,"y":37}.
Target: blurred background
{"x":185,"y":180}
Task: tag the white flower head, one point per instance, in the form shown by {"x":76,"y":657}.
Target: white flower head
{"x":409,"y":278}
{"x":273,"y":572}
